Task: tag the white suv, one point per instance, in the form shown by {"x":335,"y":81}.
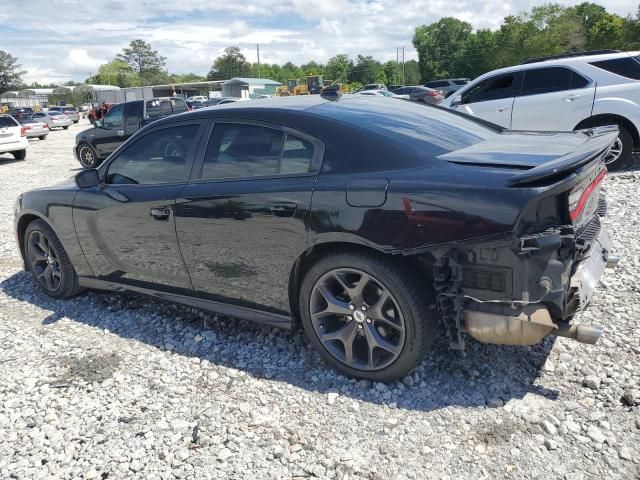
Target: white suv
{"x":13,"y":137}
{"x":567,"y":92}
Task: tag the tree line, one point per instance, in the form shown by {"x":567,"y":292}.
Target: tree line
{"x":446,"y":48}
{"x":452,"y":48}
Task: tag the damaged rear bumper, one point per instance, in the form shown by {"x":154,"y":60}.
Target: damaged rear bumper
{"x":558,"y":288}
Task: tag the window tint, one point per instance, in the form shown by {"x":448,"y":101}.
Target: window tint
{"x":627,"y":66}
{"x":494,"y":88}
{"x":237,"y":150}
{"x":547,"y":80}
{"x":400,"y":91}
{"x":115,"y":117}
{"x":296,"y":155}
{"x":437,"y":83}
{"x":38,"y":115}
{"x":133,"y":114}
{"x":7,"y":122}
{"x":158,"y":157}
{"x":461,"y":82}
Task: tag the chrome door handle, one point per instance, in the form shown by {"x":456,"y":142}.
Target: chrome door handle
{"x":503,"y":108}
{"x":571,"y":98}
{"x":120,"y":133}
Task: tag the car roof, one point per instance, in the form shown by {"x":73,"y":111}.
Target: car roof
{"x":559,"y":61}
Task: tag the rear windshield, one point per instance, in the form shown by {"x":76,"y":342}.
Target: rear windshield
{"x":162,"y":108}
{"x":626,"y":66}
{"x":27,"y":120}
{"x":461,"y":82}
{"x":68,"y":109}
{"x":432,"y":130}
{"x":7,"y":122}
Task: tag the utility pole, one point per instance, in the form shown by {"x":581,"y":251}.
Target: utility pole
{"x":403,"y":80}
{"x":397,"y":66}
{"x":258,"y":49}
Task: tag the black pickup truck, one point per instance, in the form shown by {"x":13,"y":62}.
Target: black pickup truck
{"x":122,"y":121}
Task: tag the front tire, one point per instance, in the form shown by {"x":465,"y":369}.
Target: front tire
{"x":42,"y":137}
{"x":48,"y":262}
{"x":87,"y":156}
{"x":20,"y":154}
{"x":65,"y":128}
{"x":367,"y":316}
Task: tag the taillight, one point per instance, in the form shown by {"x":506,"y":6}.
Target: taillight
{"x":23,"y":131}
{"x":579,"y":195}
{"x":433,"y":93}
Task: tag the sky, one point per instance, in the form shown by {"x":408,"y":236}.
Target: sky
{"x":61,"y":40}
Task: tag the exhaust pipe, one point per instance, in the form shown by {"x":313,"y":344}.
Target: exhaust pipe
{"x":581,"y":332}
{"x":612,"y":261}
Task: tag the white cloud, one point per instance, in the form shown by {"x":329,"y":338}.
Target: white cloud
{"x":78,"y":36}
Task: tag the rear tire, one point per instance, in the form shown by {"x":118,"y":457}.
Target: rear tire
{"x":65,"y":128}
{"x":87,"y":156}
{"x":42,"y":137}
{"x":48,"y":262}
{"x":621,"y":151}
{"x":20,"y":154}
{"x":387,"y":338}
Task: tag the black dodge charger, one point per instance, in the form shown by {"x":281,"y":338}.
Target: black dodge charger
{"x":373,"y":223}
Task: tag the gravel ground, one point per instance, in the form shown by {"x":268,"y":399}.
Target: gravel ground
{"x":110,"y":386}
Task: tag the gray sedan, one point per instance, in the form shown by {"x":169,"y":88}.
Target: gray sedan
{"x":53,"y":119}
{"x":34,"y":128}
{"x":71,"y":112}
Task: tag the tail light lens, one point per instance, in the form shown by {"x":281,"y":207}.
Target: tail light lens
{"x":23,"y":131}
{"x":433,"y":93}
{"x":580,"y":194}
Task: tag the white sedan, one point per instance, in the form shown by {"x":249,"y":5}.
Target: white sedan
{"x":381,"y":93}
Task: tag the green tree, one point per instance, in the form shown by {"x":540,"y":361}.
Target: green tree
{"x":338,"y":68}
{"x":367,"y":70}
{"x":232,"y":64}
{"x":116,"y":72}
{"x":412,"y":73}
{"x":440,"y":47}
{"x":145,"y":61}
{"x":10,"y":73}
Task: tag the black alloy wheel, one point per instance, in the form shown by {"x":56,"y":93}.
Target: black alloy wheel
{"x":368,"y":316}
{"x":44,"y":262}
{"x":357,"y":319}
{"x":48,"y":262}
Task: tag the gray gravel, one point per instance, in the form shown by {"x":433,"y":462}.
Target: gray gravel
{"x":111,"y":386}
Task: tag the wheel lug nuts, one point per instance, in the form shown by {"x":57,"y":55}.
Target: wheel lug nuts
{"x":352,"y":307}
{"x":349,"y":317}
{"x":368,"y":320}
{"x":360,"y":326}
{"x":364,"y":308}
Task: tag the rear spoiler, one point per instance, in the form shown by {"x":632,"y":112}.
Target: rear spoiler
{"x":595,"y":148}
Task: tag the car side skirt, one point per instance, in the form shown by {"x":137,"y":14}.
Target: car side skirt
{"x":228,"y":310}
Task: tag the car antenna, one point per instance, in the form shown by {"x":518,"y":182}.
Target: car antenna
{"x":331,"y":92}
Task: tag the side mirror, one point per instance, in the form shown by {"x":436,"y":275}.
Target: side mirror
{"x":456,"y":101}
{"x":88,"y":178}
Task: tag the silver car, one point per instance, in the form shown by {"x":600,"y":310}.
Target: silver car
{"x":71,"y":112}
{"x":34,"y":128}
{"x":53,"y":119}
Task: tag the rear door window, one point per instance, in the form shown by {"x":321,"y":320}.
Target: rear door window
{"x":548,"y":80}
{"x":437,"y":83}
{"x":494,"y":88}
{"x":245,"y":151}
{"x":628,"y":67}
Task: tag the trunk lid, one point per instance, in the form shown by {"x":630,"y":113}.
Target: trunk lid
{"x":540,"y":155}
